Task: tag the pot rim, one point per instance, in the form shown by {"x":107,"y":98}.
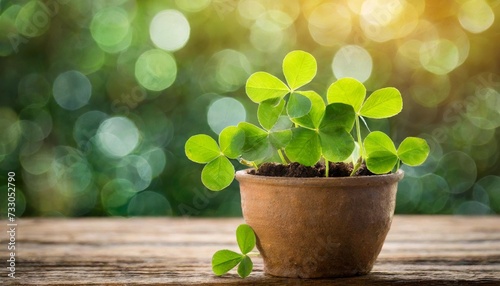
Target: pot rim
{"x":244,"y":176}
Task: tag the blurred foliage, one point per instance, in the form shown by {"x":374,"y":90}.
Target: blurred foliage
{"x":97,"y":98}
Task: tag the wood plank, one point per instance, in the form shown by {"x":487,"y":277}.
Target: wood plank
{"x":440,"y":250}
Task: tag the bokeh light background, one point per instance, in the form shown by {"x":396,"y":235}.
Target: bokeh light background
{"x":97,"y":98}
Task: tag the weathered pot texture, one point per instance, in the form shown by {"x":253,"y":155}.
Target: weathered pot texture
{"x":319,"y":227}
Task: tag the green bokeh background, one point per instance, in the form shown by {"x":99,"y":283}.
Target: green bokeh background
{"x":97,"y":98}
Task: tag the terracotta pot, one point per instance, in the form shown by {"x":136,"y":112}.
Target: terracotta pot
{"x":318,"y":227}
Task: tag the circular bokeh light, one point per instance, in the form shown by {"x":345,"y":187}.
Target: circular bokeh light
{"x":352,"y":61}
{"x":330,"y":24}
{"x":87,"y":125}
{"x":149,"y":203}
{"x":110,"y":26}
{"x":155,"y":70}
{"x":169,"y":30}
{"x":115,"y":196}
{"x":267,"y":38}
{"x":435,"y":194}
{"x":490,"y":187}
{"x":117,"y":136}
{"x":156,"y":159}
{"x":137,"y":170}
{"x":72,"y":90}
{"x":459,"y":170}
{"x":232,"y":69}
{"x":440,"y":56}
{"x":32,"y":20}
{"x":225,"y":112}
{"x":430,"y":89}
{"x":476,"y":16}
{"x":38,"y":162}
{"x":408,"y":195}
{"x":71,"y":171}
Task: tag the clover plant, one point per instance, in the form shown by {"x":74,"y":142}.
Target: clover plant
{"x":297,"y":125}
{"x":225,"y":260}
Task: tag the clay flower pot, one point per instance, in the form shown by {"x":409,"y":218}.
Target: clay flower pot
{"x":319,"y":227}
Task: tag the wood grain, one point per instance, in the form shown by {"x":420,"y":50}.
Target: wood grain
{"x":419,"y":250}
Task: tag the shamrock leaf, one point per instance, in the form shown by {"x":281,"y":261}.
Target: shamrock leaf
{"x":225,"y":260}
{"x":330,"y":140}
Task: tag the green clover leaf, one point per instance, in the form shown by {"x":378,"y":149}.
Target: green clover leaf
{"x":245,"y":238}
{"x":245,"y":267}
{"x":383,"y":156}
{"x":269,"y":112}
{"x":298,"y":105}
{"x":225,"y":260}
{"x":349,"y":91}
{"x":381,"y":152}
{"x":263,"y":86}
{"x":382,"y":103}
{"x":217,"y":174}
{"x":330,"y":140}
{"x":305,"y":147}
{"x":413,"y":151}
{"x":313,"y":118}
{"x":202,"y":148}
{"x":299,"y":69}
{"x":231,"y":141}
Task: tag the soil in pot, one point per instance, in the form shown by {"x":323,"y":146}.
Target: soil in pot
{"x":300,"y":171}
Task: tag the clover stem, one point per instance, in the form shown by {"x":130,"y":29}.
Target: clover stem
{"x":327,"y":168}
{"x":283,"y":159}
{"x":356,"y":167}
{"x":247,"y":163}
{"x":361,"y":149}
{"x":255,"y":165}
{"x":253,"y":254}
{"x":358,"y":134}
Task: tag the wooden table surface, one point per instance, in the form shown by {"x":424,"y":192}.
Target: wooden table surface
{"x":419,"y":250}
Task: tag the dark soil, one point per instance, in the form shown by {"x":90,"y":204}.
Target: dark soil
{"x":297,"y":170}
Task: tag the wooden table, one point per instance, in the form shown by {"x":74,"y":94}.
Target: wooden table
{"x":419,"y":250}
